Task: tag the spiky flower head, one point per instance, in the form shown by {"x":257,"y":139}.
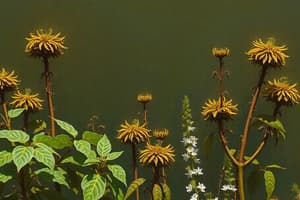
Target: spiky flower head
{"x":220,"y":52}
{"x":161,"y":134}
{"x":144,"y":98}
{"x":45,"y":44}
{"x":27,"y":100}
{"x":8,"y":80}
{"x":213,"y":110}
{"x":133,"y":133}
{"x":156,"y":155}
{"x":267,"y":53}
{"x":282,"y":92}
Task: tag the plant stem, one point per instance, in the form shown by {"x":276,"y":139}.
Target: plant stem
{"x":4,"y":110}
{"x":240,"y":172}
{"x":47,"y":75}
{"x":135,"y":169}
{"x":25,"y":120}
{"x":145,"y":113}
{"x":22,"y":184}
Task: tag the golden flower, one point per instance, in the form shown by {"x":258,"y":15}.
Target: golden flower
{"x":27,"y":100}
{"x":161,"y":134}
{"x":144,"y":98}
{"x":267,"y":53}
{"x":282,"y":92}
{"x":220,"y":52}
{"x":212,"y":110}
{"x":45,"y":44}
{"x":157,"y":155}
{"x":134,"y":133}
{"x":8,"y":80}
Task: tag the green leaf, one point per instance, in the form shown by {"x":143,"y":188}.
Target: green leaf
{"x":84,"y":147}
{"x":118,"y":172}
{"x":157,"y":193}
{"x":44,"y":155}
{"x":91,"y":137}
{"x":15,"y":112}
{"x":67,"y":127}
{"x":38,"y":126}
{"x":166,"y":191}
{"x":14,"y":135}
{"x":134,"y":186}
{"x":6,"y":157}
{"x":269,"y":183}
{"x":254,"y":162}
{"x":71,"y":159}
{"x":103,"y":146}
{"x":114,"y":155}
{"x":274,"y":124}
{"x":58,"y":142}
{"x":274,"y":166}
{"x":4,"y":178}
{"x":93,"y":187}
{"x":22,"y":155}
{"x":59,"y":177}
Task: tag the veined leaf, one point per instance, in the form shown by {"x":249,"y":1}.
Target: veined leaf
{"x":5,"y":157}
{"x":4,"y":178}
{"x":91,"y":137}
{"x":93,"y":187}
{"x":274,"y":124}
{"x":84,"y":147}
{"x":118,"y":172}
{"x":67,"y":127}
{"x":22,"y":155}
{"x":14,"y":135}
{"x":166,"y":191}
{"x":103,"y":146}
{"x":114,"y":155}
{"x":15,"y":112}
{"x":45,"y":156}
{"x":157,"y":193}
{"x":58,"y":142}
{"x":275,"y":166}
{"x":269,"y":183}
{"x":134,"y":186}
{"x":59,"y":177}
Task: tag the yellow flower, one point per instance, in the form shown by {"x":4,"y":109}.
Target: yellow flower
{"x":27,"y":100}
{"x":133,"y":133}
{"x":212,"y":110}
{"x":157,"y":155}
{"x":45,"y":44}
{"x":267,"y":53}
{"x":144,"y":98}
{"x":8,"y":80}
{"x":282,"y":92}
{"x":220,"y":52}
{"x":160,"y":134}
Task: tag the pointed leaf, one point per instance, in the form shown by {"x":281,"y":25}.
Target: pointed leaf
{"x":254,"y":162}
{"x":58,"y":142}
{"x":67,"y":127}
{"x":4,"y":178}
{"x":157,"y":193}
{"x":166,"y":191}
{"x":5,"y":157}
{"x":269,"y":183}
{"x":118,"y":172}
{"x":15,"y":112}
{"x":103,"y":146}
{"x":275,"y":166}
{"x":114,"y":155}
{"x":93,"y":187}
{"x":91,"y":137}
{"x":22,"y":155}
{"x":59,"y":177}
{"x":45,"y":156}
{"x":84,"y":147}
{"x":14,"y":135}
{"x":134,"y":186}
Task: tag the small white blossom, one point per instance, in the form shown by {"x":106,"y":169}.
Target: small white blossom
{"x":191,"y":128}
{"x":189,"y":188}
{"x":198,"y":171}
{"x":186,"y":141}
{"x":191,"y":150}
{"x":229,"y":188}
{"x":193,"y":141}
{"x":201,"y":187}
{"x":186,"y":157}
{"x":189,"y":173}
{"x":197,"y":160}
{"x":194,"y":196}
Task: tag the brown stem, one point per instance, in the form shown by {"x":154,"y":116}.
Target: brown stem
{"x":145,"y":113}
{"x":221,"y":76}
{"x":47,"y":75}
{"x":4,"y":110}
{"x":164,"y":175}
{"x":135,"y":169}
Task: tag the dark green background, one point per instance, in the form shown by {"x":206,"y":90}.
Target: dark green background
{"x":120,"y":48}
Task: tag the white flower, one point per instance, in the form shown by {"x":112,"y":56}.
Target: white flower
{"x":189,"y":173}
{"x":191,"y":128}
{"x":197,"y":160}
{"x":193,"y":141}
{"x":198,"y":171}
{"x":192,"y":151}
{"x":229,"y":188}
{"x":189,"y":188}
{"x":194,"y":196}
{"x":201,"y":187}
{"x":186,"y":141}
{"x":186,"y":157}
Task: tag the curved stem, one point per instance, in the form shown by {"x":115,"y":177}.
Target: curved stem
{"x":4,"y":110}
{"x":258,"y":150}
{"x":135,"y":169}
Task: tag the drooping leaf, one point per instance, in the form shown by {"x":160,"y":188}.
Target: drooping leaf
{"x":114,"y":155}
{"x":22,"y":155}
{"x":134,"y":186}
{"x":4,"y":178}
{"x":269,"y":183}
{"x":5,"y":157}
{"x":254,"y":162}
{"x":103,"y":146}
{"x":91,"y":137}
{"x":93,"y":187}
{"x":84,"y":147}
{"x":67,"y":127}
{"x":274,"y":124}
{"x":274,"y":166}
{"x":44,"y":155}
{"x":58,"y":142}
{"x":14,"y":136}
{"x":166,"y":191}
{"x":15,"y":112}
{"x":118,"y":172}
{"x":157,"y":193}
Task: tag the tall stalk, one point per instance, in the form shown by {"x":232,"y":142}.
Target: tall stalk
{"x":135,"y":169}
{"x":4,"y":110}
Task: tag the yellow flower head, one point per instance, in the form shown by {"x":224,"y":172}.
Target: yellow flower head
{"x":156,"y":155}
{"x":212,"y":110}
{"x":282,"y":92}
{"x":267,"y":53}
{"x":8,"y":80}
{"x":161,"y":134}
{"x":133,"y":133}
{"x":28,"y":101}
{"x":144,"y":98}
{"x":45,"y":44}
{"x":220,"y":52}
